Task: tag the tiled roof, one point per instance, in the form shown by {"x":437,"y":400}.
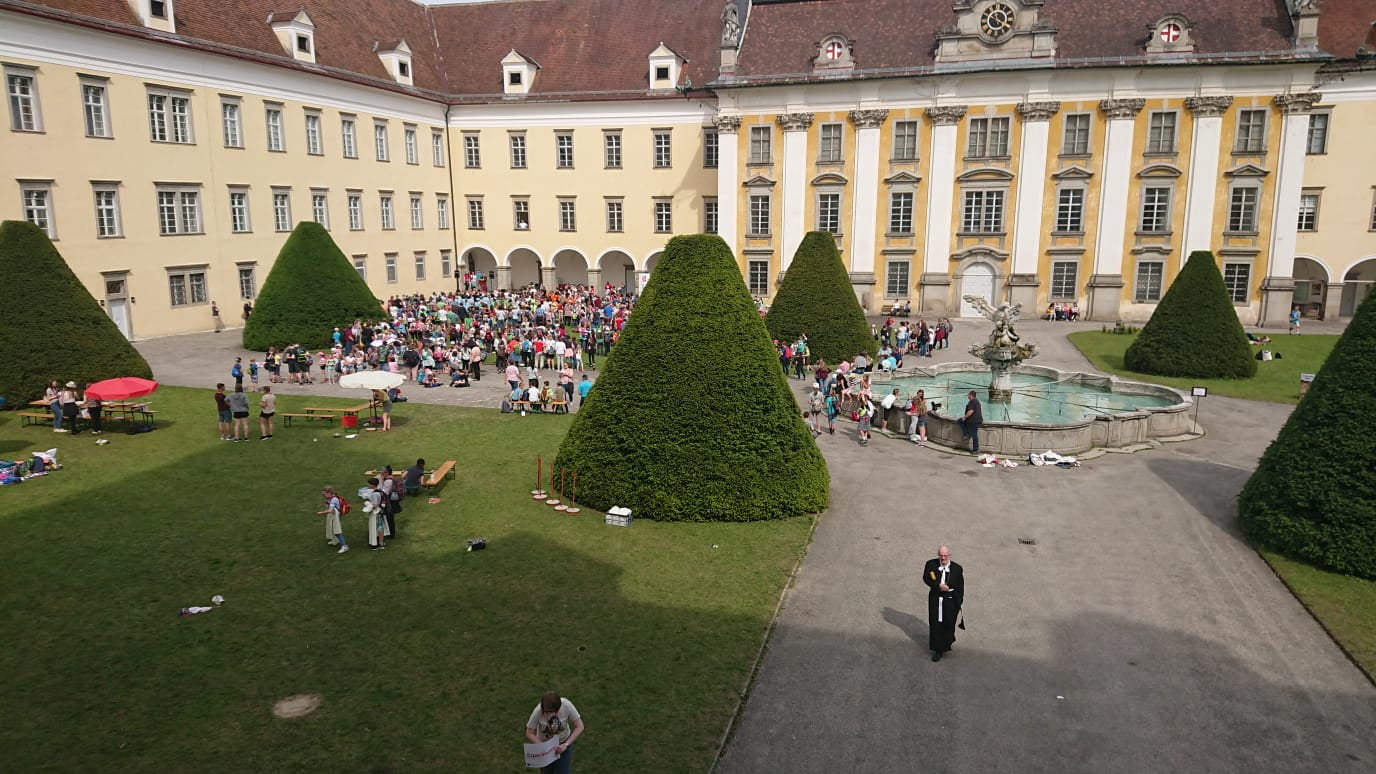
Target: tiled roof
{"x":781,"y":38}
{"x":1346,"y":25}
{"x":582,"y":45}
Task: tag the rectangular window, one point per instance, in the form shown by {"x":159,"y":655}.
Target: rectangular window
{"x":274,"y":120}
{"x":248,"y":283}
{"x":412,"y":147}
{"x":441,"y":212}
{"x":472,"y":152}
{"x":107,"y":211}
{"x":709,"y":215}
{"x":169,"y":116}
{"x":361,"y":266}
{"x":1156,"y":210}
{"x":348,"y":137}
{"x":988,"y":137}
{"x":384,"y":203}
{"x":563,"y":150}
{"x":829,"y":212}
{"x":179,"y":210}
{"x":518,"y":151}
{"x":759,"y":215}
{"x":615,"y":221}
{"x":1309,"y":212}
{"x":389,"y":260}
{"x":420,"y":266}
{"x":475,"y":214}
{"x":95,"y":108}
{"x":1070,"y":210}
{"x":21,"y":86}
{"x":1150,"y":275}
{"x":663,"y":149}
{"x":829,"y":144}
{"x":355,"y":211}
{"x":229,"y":123}
{"x":1076,"y":139}
{"x":1161,"y":132}
{"x":896,"y":278}
{"x":901,"y":212}
{"x":1242,"y":209}
{"x":1251,"y":131}
{"x":711,"y":149}
{"x":186,"y":287}
{"x":568,"y":215}
{"x":281,"y":210}
{"x":320,"y":208}
{"x":1063,"y":276}
{"x":664,"y":216}
{"x":905,"y":141}
{"x":757,"y":276}
{"x":611,"y":149}
{"x":313,"y":145}
{"x":520,"y":210}
{"x":983,"y":212}
{"x":437,"y":148}
{"x":759,"y":145}
{"x":380,"y":140}
{"x":1318,"y":134}
{"x":446,"y":263}
{"x":238,"y":211}
{"x":38,"y":207}
{"x":1237,"y":279}
{"x":417,"y":213}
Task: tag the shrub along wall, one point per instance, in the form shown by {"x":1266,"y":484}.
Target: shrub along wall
{"x":1195,"y":330}
{"x":312,"y":288}
{"x":816,"y":299}
{"x":692,"y":420}
{"x":70,"y":339}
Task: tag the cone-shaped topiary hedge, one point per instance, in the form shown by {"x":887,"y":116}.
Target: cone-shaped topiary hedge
{"x":1313,"y":496}
{"x":72,"y":339}
{"x":311,"y":289}
{"x":692,"y":420}
{"x":816,"y":299}
{"x":1195,"y":330}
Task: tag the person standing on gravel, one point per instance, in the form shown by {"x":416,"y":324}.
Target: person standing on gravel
{"x":946,"y":592}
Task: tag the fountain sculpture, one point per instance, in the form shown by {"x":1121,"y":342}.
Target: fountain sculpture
{"x":1002,"y":353}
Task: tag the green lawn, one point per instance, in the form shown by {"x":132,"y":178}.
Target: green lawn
{"x":428,"y":658}
{"x":1276,"y":380}
{"x":1345,"y":605}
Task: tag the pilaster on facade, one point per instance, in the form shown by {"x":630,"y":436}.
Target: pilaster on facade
{"x":1027,"y":222}
{"x":503,"y":277}
{"x":1122,"y":109}
{"x":872,"y":118}
{"x":1206,"y":107}
{"x":865,"y":199}
{"x":795,"y":126}
{"x":1106,"y":283}
{"x":946,"y":115}
{"x":1278,"y":284}
{"x":1202,"y":191}
{"x":936,"y":259}
{"x":728,"y":160}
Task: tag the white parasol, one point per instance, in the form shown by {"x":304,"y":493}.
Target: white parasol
{"x":371,"y":380}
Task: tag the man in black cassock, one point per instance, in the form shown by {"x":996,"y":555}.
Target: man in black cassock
{"x":946,"y":582}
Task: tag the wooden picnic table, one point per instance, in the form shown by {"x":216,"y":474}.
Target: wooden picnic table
{"x":338,"y":409}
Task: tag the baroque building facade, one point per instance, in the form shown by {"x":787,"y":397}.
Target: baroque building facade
{"x":1034,"y":151}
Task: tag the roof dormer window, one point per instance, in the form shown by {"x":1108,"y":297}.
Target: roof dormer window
{"x":665,"y":66}
{"x":396,"y":57}
{"x":155,"y":14}
{"x":1170,"y":35}
{"x":296,"y":33}
{"x":834,"y":52}
{"x":513,"y":78}
{"x":518,"y":73}
{"x":157,"y":9}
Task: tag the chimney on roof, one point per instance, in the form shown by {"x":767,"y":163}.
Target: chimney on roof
{"x":1304,"y":14}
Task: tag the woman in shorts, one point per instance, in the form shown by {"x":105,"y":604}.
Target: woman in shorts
{"x":267,"y":409}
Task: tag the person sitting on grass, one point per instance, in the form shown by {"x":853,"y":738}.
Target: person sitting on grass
{"x":1256,"y":340}
{"x":427,"y":378}
{"x":458,"y":378}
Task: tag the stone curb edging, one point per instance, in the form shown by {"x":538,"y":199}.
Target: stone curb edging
{"x":1371,"y":678}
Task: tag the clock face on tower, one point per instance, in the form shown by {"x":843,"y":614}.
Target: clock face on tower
{"x":997,"y":20}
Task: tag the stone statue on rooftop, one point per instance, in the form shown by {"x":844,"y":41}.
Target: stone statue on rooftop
{"x":730,"y":24}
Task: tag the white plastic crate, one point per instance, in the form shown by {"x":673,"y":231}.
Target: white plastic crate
{"x":619,"y":517}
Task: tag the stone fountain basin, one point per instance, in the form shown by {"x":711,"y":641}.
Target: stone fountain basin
{"x":1133,"y":429}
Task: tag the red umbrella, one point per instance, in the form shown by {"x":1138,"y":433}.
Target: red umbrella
{"x":121,"y":388}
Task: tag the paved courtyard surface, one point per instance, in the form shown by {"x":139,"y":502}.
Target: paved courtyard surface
{"x":1137,"y":633}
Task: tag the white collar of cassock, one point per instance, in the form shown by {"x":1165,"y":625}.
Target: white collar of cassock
{"x":944,"y":567}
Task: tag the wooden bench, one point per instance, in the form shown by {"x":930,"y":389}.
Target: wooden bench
{"x":287,"y":418}
{"x":893,"y":309}
{"x":559,"y":406}
{"x":441,"y":473}
{"x":34,"y":417}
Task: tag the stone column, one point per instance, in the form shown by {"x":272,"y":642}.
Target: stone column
{"x":795,"y":126}
{"x":865,"y":202}
{"x":547,"y":279}
{"x":935,"y":283}
{"x":1332,"y":300}
{"x":728,"y":180}
{"x":1200,"y":196}
{"x":1027,"y":219}
{"x":594,"y":278}
{"x":1278,"y":285}
{"x":504,"y":278}
{"x":1106,"y":283}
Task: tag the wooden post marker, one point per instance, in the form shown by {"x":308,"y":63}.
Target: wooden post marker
{"x":574,"y":497}
{"x":537,"y":493}
{"x":561,"y":506}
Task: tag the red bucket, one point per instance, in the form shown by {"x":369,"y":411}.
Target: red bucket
{"x":348,"y":420}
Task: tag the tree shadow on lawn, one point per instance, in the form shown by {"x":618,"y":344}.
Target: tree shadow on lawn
{"x":428,"y":658}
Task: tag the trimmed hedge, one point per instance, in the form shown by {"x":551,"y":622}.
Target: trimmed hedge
{"x":50,"y":325}
{"x":816,"y":299}
{"x":311,"y":289}
{"x":692,"y":420}
{"x":1195,"y":331}
{"x":1313,"y":495}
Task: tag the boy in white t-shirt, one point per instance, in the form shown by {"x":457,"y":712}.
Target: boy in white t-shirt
{"x":334,"y":530}
{"x":555,"y":716}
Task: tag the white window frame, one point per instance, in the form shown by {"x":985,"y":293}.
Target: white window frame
{"x":563,"y":149}
{"x":276,"y":134}
{"x":381,"y":144}
{"x":411,"y":142}
{"x":21,"y":95}
{"x":348,"y":136}
{"x":36,"y":203}
{"x":437,"y":148}
{"x":616,"y":215}
{"x":105,"y":197}
{"x":981,"y":138}
{"x":520,"y":214}
{"x":664,"y":215}
{"x":828,"y":210}
{"x":1319,"y":124}
{"x":169,"y":116}
{"x":901,"y":212}
{"x":663,"y":142}
{"x":354,"y":199}
{"x":476,"y":217}
{"x":419,"y":260}
{"x":568,"y":213}
{"x":240,"y":216}
{"x":711,"y":215}
{"x":442,"y":212}
{"x":1077,"y":133}
{"x":472,"y":151}
{"x":761,"y":145}
{"x":387,"y":215}
{"x":182,"y":286}
{"x":1154,"y":215}
{"x":281,"y":209}
{"x":1251,"y":136}
{"x":186,"y":209}
{"x":247,"y":271}
{"x":757,"y":276}
{"x":829,"y":147}
{"x":1162,"y":139}
{"x":611,"y":148}
{"x":759,"y":212}
{"x":1149,"y":281}
{"x":417,"y":211}
{"x":1070,"y":210}
{"x":1242,"y":214}
{"x":516,"y":150}
{"x":983,"y":210}
{"x":314,"y":145}
{"x":1061,"y":287}
{"x":320,"y":207}
{"x":361,"y":266}
{"x":1238,"y":292}
{"x":95,"y":113}
{"x":389,"y":261}
{"x":446,"y":263}
{"x":1308,"y":216}
{"x":711,"y":149}
{"x":897,"y":277}
{"x":232,"y":122}
{"x":905,"y":138}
